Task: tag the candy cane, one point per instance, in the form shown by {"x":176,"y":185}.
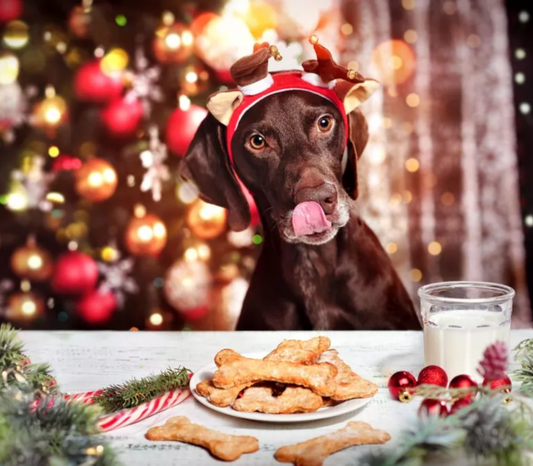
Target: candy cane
{"x":130,"y":416}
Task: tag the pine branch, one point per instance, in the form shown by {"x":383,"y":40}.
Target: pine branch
{"x":54,"y":433}
{"x":16,"y":367}
{"x":484,"y":429}
{"x":524,"y":356}
{"x":137,"y":391}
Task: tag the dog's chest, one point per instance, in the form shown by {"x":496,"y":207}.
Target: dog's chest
{"x":312,"y":277}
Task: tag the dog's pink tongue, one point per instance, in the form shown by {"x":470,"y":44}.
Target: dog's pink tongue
{"x":308,"y":218}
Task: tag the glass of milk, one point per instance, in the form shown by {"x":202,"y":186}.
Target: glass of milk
{"x":460,"y":320}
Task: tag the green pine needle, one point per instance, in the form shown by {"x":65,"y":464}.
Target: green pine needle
{"x":12,"y":363}
{"x":55,"y":433}
{"x":524,"y":356}
{"x":137,"y":391}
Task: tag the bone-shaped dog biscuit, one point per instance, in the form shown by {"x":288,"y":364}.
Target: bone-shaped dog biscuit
{"x":223,"y":446}
{"x":237,"y":370}
{"x":220,"y":396}
{"x":297,"y":351}
{"x":292,"y":400}
{"x":313,"y":452}
{"x":347,"y":383}
{"x":300,"y":351}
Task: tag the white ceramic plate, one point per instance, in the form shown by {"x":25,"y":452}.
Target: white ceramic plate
{"x":323,"y":413}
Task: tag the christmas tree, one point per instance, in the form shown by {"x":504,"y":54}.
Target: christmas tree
{"x":99,"y":103}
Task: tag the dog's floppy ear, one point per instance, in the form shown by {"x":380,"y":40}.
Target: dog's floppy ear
{"x":207,"y":164}
{"x":357,"y":140}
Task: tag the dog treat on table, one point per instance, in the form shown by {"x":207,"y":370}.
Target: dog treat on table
{"x":221,"y":397}
{"x":297,"y":351}
{"x":238,"y":370}
{"x":223,"y":446}
{"x":313,"y":452}
{"x":347,"y":383}
{"x":292,"y":400}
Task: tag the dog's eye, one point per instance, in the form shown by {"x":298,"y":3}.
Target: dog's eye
{"x":324,"y":123}
{"x":257,"y":142}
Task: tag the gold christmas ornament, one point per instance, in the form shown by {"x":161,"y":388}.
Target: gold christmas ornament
{"x":16,"y":34}
{"x":24,"y":307}
{"x":51,"y":111}
{"x":206,"y":220}
{"x":32,"y":262}
{"x":96,"y":180}
{"x":395,"y":60}
{"x":259,"y":17}
{"x":146,"y":235}
{"x":173,"y":43}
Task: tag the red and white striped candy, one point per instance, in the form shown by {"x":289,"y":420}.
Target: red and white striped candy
{"x":130,"y":416}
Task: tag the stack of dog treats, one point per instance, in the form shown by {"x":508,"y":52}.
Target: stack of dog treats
{"x":297,"y":377}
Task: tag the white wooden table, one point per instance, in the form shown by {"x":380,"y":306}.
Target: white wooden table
{"x":83,"y":361}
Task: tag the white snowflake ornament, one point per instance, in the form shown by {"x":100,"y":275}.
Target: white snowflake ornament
{"x":117,"y":279}
{"x":153,"y":160}
{"x":144,"y":85}
{"x":35,"y":183}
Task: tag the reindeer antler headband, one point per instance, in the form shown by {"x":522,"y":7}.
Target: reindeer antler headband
{"x":344,"y":87}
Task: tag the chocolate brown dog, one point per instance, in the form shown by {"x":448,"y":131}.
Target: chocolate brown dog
{"x":321,"y":266}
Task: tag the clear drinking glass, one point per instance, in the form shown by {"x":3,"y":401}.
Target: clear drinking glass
{"x":460,"y":320}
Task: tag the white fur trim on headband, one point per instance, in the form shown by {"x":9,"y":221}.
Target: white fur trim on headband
{"x":258,"y":86}
{"x":314,"y":79}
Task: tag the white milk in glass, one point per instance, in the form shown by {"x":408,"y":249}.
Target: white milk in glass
{"x":456,"y":339}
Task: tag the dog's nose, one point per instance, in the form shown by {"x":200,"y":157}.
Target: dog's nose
{"x":325,"y":194}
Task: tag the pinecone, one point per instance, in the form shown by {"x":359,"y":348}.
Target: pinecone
{"x":494,"y":362}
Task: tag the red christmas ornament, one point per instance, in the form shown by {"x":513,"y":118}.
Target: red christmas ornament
{"x":433,"y":407}
{"x":433,"y":375}
{"x":75,"y":273}
{"x":196,"y":313}
{"x":463,"y":381}
{"x":504,"y":384}
{"x":182,"y":126}
{"x":122,"y":116}
{"x":10,"y":10}
{"x":96,"y":307}
{"x":401,"y":385}
{"x":460,"y":404}
{"x":66,"y":163}
{"x":224,"y":76}
{"x":93,"y":85}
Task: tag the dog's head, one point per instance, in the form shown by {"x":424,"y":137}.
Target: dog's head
{"x":292,"y":151}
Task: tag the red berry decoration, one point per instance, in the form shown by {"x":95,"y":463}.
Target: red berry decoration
{"x":433,"y":375}
{"x":433,"y":407}
{"x":401,"y":385}
{"x":460,"y":404}
{"x":463,"y":381}
{"x":504,"y":384}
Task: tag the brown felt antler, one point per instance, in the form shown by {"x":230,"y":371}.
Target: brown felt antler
{"x":326,"y":67}
{"x":254,"y":67}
